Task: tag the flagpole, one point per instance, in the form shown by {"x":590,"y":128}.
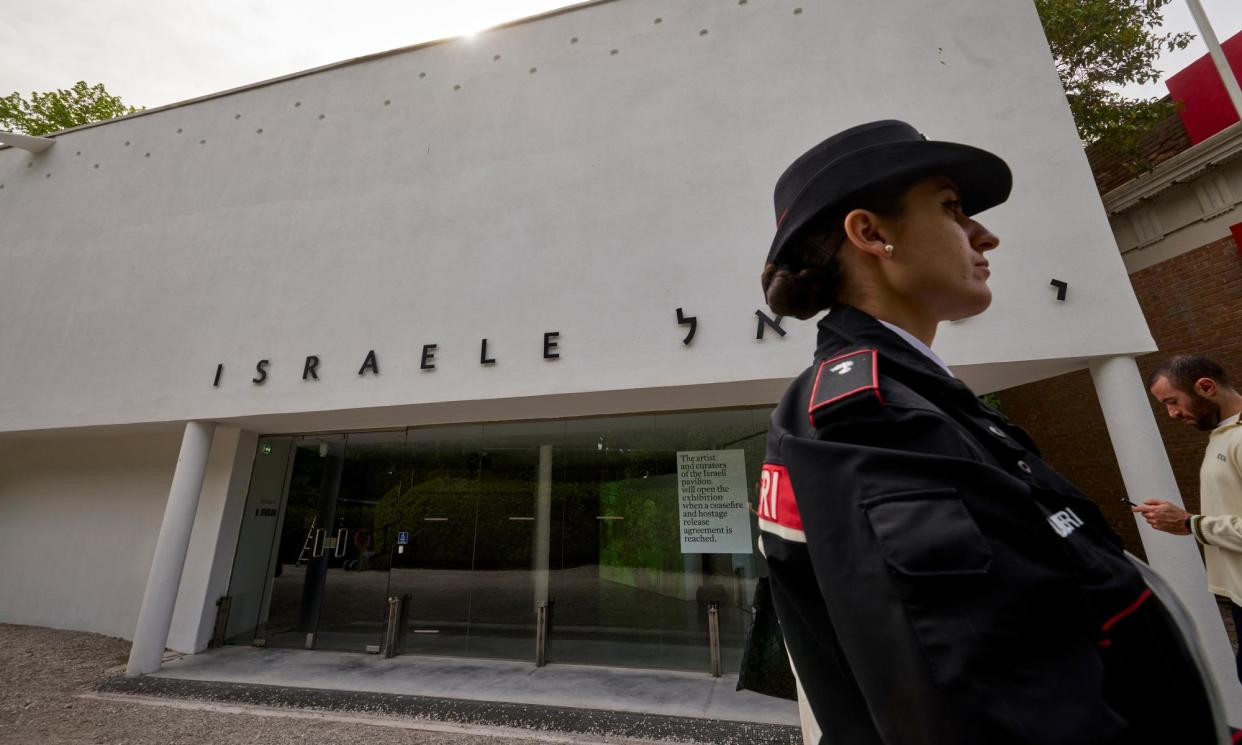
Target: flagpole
{"x":1218,"y":57}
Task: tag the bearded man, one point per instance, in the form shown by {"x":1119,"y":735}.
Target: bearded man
{"x":1196,"y":390}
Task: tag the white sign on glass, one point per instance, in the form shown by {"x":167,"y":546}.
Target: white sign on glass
{"x":712,"y":502}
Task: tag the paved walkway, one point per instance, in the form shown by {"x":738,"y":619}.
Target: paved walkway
{"x":650,"y":692}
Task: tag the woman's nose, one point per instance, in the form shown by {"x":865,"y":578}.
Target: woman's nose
{"x":982,"y":239}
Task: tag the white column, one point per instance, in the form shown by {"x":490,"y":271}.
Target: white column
{"x":155,"y":616}
{"x":217,"y":525}
{"x":1147,"y":474}
{"x":543,"y":525}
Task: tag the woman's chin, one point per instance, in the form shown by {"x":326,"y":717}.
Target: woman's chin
{"x":972,"y":306}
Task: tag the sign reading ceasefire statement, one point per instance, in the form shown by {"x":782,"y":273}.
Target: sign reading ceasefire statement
{"x":712,"y":502}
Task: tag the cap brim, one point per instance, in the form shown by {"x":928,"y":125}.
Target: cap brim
{"x":983,"y":179}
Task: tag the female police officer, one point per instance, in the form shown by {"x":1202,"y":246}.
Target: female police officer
{"x":935,"y":580}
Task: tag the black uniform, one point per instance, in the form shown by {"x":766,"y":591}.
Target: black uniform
{"x":937,"y":582}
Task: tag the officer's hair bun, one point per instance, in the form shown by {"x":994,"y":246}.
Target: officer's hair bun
{"x":809,"y":277}
{"x":809,"y":282}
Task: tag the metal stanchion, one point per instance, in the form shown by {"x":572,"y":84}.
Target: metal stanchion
{"x":222,"y":622}
{"x":541,"y":634}
{"x":713,"y":635}
{"x":394,"y":631}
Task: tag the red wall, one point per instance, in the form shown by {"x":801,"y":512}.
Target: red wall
{"x":1193,"y":303}
{"x":1204,"y":103}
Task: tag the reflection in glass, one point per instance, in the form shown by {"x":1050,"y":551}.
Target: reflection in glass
{"x":439,"y":511}
{"x":482,"y":524}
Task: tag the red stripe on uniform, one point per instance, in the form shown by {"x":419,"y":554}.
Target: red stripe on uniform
{"x":1133,"y":607}
{"x":776,"y":497}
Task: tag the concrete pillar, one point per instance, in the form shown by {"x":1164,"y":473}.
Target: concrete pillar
{"x":213,"y":544}
{"x":543,"y":526}
{"x":1147,"y":474}
{"x":164,"y":580}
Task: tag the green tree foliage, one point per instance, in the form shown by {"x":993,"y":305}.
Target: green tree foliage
{"x":60,"y":109}
{"x":1099,"y":46}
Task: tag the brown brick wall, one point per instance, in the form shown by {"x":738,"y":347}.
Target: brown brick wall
{"x":1193,"y":303}
{"x":1166,"y":139}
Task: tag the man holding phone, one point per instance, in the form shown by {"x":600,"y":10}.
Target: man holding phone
{"x":1197,"y":391}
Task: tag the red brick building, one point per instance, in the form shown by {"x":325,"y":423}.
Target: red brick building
{"x":1178,"y":228}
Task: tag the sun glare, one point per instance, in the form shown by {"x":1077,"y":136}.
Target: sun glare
{"x":472,"y":21}
{"x":475,"y":25}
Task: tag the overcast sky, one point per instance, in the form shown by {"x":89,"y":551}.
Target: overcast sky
{"x":155,"y":53}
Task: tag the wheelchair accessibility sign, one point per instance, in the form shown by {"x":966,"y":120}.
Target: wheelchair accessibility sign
{"x":403,"y":538}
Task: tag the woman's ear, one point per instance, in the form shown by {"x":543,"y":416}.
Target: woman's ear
{"x":862,"y":230}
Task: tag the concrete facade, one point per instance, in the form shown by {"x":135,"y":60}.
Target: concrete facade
{"x":530,"y":186}
{"x":78,"y":519}
{"x":446,"y":194}
{"x":555,"y":189}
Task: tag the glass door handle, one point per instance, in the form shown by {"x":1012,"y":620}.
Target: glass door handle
{"x":340,"y":542}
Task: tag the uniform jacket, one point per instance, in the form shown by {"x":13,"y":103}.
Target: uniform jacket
{"x":937,"y":582}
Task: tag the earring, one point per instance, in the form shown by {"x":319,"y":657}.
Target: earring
{"x":888,"y":249}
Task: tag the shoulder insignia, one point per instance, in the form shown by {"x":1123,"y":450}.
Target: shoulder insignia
{"x":851,"y":374}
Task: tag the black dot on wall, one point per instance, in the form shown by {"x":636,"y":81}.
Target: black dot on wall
{"x":534,"y":70}
{"x":741,"y":2}
{"x":78,"y":152}
{"x":573,"y":40}
{"x":127,"y":143}
{"x":422,"y":75}
{"x":178,"y":130}
{"x":96,"y":165}
{"x":457,"y":87}
{"x":237,"y":116}
{"x":202,"y":142}
{"x":259,"y":131}
{"x":702,"y":32}
{"x":296,"y":104}
{"x":797,"y":11}
{"x":387,"y":101}
{"x":495,"y":58}
{"x":321,"y":116}
{"x":658,"y":21}
{"x":615,"y":52}
{"x":148,"y":155}
{"x":30,"y":164}
{"x":47,"y":175}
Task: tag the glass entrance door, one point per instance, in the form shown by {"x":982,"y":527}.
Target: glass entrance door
{"x":440,"y":510}
{"x":504,"y":595}
{"x":481,"y":525}
{"x":358,"y":552}
{"x":302,"y":557}
{"x":473,"y":507}
{"x":331,"y":578}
